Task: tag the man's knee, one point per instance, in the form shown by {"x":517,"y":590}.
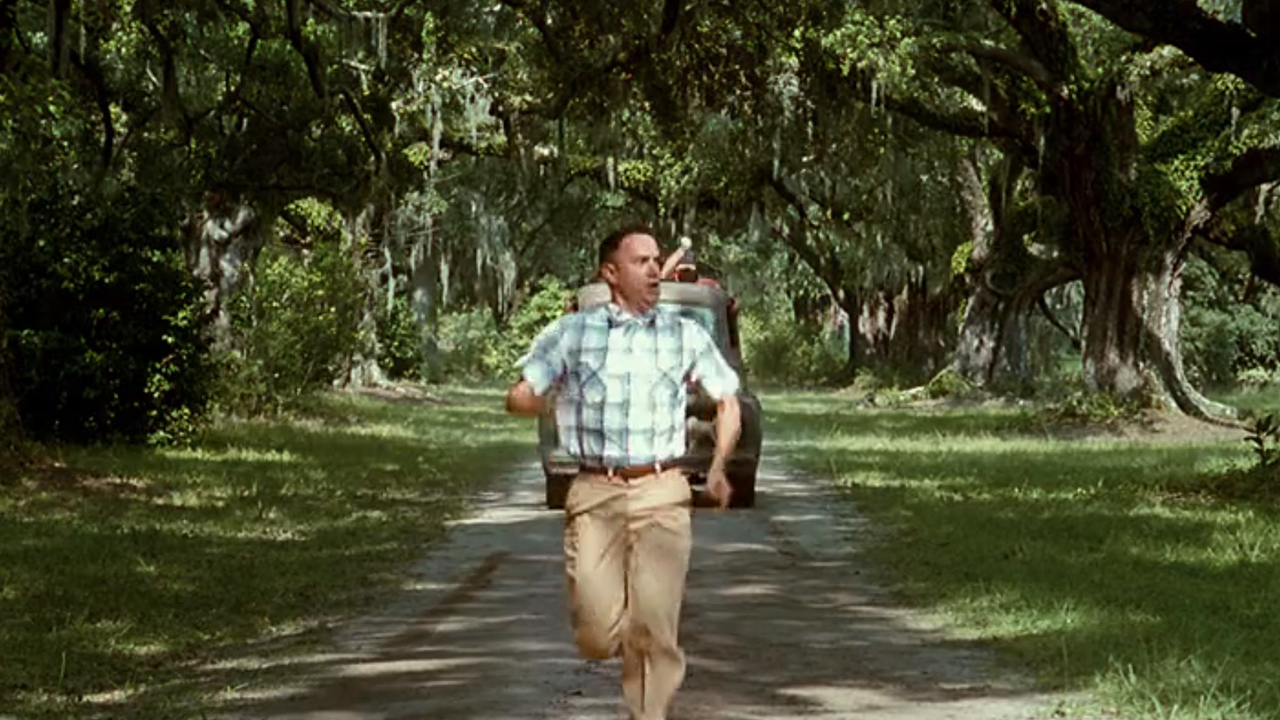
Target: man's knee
{"x":597,"y":642}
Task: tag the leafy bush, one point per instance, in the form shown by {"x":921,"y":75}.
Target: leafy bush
{"x":948,"y":383}
{"x":544,"y":305}
{"x":105,"y":330}
{"x":466,"y":339}
{"x":475,"y":348}
{"x":1092,"y":408}
{"x":1264,"y":435}
{"x":1258,"y":377}
{"x":1229,"y":335}
{"x":297,"y":327}
{"x":399,"y":342}
{"x":789,"y":353}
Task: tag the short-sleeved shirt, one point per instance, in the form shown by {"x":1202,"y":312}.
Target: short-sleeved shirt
{"x":623,"y":381}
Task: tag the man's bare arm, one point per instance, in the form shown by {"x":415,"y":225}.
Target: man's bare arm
{"x":728,"y":427}
{"x":522,"y":401}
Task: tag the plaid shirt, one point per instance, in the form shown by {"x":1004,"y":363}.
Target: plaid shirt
{"x":622,"y":376}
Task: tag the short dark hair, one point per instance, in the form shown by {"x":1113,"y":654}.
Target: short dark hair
{"x":610,"y":244}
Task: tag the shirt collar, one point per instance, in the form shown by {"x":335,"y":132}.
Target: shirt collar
{"x":619,"y":317}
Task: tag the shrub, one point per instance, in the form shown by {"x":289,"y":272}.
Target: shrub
{"x":297,"y":326}
{"x":105,"y":330}
{"x":466,"y":339}
{"x":790,"y":353}
{"x":546,"y":303}
{"x":400,"y":351}
{"x":1264,"y":436}
{"x":1258,"y":377}
{"x":1092,"y":408}
{"x":948,"y":383}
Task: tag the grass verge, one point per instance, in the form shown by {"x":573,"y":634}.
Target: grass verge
{"x":1128,"y":565}
{"x":123,"y":570}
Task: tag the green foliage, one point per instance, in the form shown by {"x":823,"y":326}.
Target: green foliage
{"x":1229,"y":337}
{"x":948,"y":384}
{"x":548,"y":302}
{"x":105,"y":326}
{"x":778,"y":350}
{"x":466,"y":341}
{"x":296,"y":325}
{"x":1085,"y":407}
{"x":399,"y":342}
{"x":1264,"y":436}
{"x":475,"y":348}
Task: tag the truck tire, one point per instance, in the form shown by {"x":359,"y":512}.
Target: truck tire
{"x":557,"y":491}
{"x":744,"y":489}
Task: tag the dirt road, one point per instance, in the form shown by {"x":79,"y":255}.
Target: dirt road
{"x":780,"y":622}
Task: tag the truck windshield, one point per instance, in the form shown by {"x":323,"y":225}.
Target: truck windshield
{"x":704,"y":316}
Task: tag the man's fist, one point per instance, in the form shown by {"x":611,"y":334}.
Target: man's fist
{"x":718,"y":486}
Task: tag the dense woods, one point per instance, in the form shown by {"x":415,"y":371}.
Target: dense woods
{"x":221,"y":205}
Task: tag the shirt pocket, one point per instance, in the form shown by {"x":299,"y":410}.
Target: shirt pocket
{"x":589,"y":378}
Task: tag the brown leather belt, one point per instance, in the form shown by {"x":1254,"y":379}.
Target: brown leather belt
{"x":628,"y":472}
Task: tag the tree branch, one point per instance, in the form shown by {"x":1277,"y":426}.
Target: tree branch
{"x":1218,"y":46}
{"x":1255,"y":241}
{"x":91,"y":70}
{"x":579,"y":71}
{"x":538,"y":19}
{"x":1043,"y":32}
{"x":1054,"y":321}
{"x":370,"y":139}
{"x":1254,"y":167}
{"x":1024,"y":64}
{"x":861,"y":86}
{"x":309,"y":51}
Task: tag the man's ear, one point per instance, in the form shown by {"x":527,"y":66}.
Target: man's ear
{"x":608,"y":272}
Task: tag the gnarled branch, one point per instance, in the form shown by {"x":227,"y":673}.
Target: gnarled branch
{"x":1251,"y":169}
{"x":1024,"y":64}
{"x":1255,"y":241}
{"x":1218,"y":46}
{"x":1044,"y":33}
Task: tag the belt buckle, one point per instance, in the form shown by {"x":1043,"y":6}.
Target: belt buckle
{"x":656,"y":466}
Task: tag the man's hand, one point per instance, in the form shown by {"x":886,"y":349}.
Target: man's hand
{"x":728,"y":427}
{"x":522,"y":401}
{"x":718,"y":487}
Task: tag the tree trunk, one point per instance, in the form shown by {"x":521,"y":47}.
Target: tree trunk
{"x":980,"y":331}
{"x":1111,"y":332}
{"x":363,"y":368}
{"x":1131,"y":271}
{"x":854,"y":360}
{"x":1004,"y":282}
{"x":919,"y":341}
{"x":10,"y":422}
{"x":221,"y":244}
{"x":424,"y":294}
{"x":1163,"y":344}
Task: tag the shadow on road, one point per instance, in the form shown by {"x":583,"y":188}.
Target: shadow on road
{"x":780,"y":623}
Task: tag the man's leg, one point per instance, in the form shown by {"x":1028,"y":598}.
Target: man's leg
{"x":660,"y":525}
{"x":595,"y":549}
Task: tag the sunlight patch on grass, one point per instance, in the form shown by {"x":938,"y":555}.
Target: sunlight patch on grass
{"x":125,"y":568}
{"x":1095,"y":559}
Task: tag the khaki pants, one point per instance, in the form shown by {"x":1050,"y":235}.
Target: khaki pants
{"x":627,"y":546}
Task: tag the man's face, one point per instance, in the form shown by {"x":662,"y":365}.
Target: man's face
{"x":633,"y":273}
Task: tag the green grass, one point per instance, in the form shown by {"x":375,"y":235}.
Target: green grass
{"x":1109,"y":564}
{"x":126,"y":569}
